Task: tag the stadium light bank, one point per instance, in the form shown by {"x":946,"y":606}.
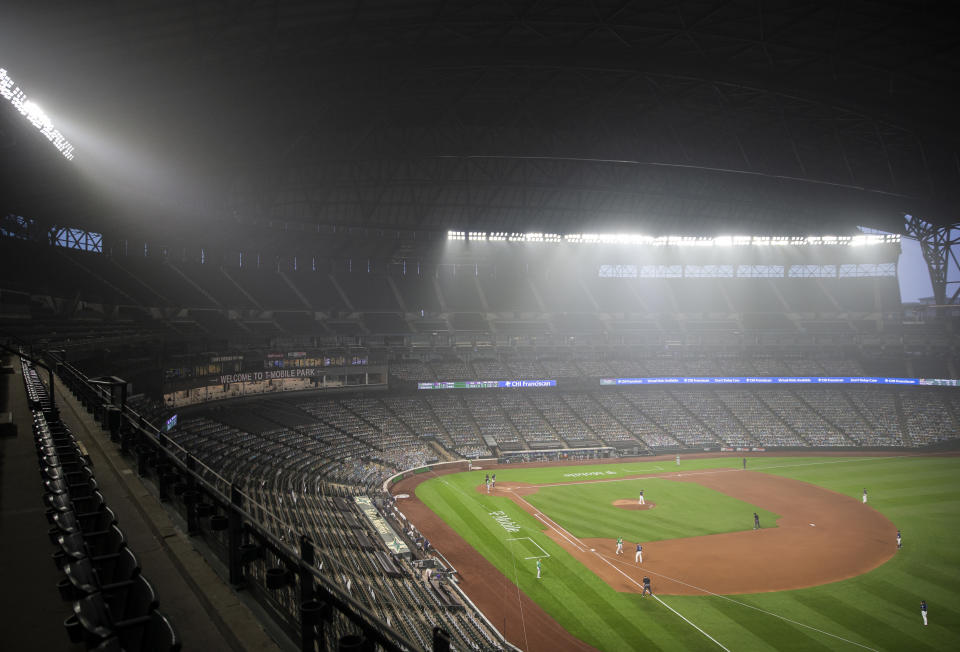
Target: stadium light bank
{"x":677,"y":240}
{"x":34,"y":114}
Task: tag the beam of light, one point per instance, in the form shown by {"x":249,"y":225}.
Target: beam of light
{"x":34,"y":114}
{"x":866,"y":239}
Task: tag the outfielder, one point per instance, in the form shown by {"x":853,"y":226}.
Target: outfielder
{"x":641,"y":497}
{"x":619,"y":545}
{"x":638,"y":558}
{"x":678,"y":460}
{"x":923,"y":611}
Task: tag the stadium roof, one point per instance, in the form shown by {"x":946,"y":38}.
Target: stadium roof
{"x":766,"y":117}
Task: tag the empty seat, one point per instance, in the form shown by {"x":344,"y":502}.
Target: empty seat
{"x":93,"y":544}
{"x":126,"y":618}
{"x":107,"y":573}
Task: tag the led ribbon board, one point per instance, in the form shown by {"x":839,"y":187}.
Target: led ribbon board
{"x":782,"y":380}
{"x":34,"y":114}
{"x":488,"y":384}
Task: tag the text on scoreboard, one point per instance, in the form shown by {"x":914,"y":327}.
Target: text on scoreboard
{"x":488,"y":384}
{"x":771,"y":380}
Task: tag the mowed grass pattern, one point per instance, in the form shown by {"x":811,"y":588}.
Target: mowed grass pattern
{"x":879,"y":610}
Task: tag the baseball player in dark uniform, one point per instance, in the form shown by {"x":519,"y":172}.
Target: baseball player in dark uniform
{"x":646,"y":590}
{"x":756,"y":521}
{"x":923,"y":611}
{"x":744,"y":462}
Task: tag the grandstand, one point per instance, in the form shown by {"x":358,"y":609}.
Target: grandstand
{"x":361,"y":240}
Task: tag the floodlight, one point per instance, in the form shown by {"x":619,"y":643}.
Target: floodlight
{"x":34,"y":114}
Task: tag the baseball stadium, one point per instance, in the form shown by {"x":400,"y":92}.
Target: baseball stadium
{"x":443,"y":325}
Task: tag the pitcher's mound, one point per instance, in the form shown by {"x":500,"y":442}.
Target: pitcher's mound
{"x":623,"y":503}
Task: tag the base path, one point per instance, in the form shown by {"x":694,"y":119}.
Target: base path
{"x":821,"y":537}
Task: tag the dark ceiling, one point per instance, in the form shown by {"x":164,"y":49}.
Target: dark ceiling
{"x":497,"y":115}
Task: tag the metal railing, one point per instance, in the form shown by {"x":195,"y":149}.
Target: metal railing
{"x":304,"y":601}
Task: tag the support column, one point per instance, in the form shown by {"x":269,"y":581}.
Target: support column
{"x":936,"y":243}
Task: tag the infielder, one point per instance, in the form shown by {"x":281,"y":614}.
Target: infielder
{"x":923,"y":611}
{"x":756,"y":521}
{"x":493,"y":481}
{"x":898,"y":540}
{"x":638,"y":558}
{"x":864,"y":495}
{"x":619,"y":545}
{"x":641,"y":497}
{"x":538,"y":569}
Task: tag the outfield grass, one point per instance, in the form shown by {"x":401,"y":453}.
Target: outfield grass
{"x":878,"y":610}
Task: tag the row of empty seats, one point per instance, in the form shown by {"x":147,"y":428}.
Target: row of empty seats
{"x":302,"y":480}
{"x":115,"y":608}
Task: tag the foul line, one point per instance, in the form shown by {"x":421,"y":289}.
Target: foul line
{"x":744,"y":604}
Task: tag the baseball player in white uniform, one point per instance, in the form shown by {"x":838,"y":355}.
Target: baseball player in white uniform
{"x":619,"y":545}
{"x":538,"y":569}
{"x":864,"y":496}
{"x":638,"y":558}
{"x":641,"y":497}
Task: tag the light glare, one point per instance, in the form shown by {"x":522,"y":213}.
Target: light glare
{"x":34,"y":114}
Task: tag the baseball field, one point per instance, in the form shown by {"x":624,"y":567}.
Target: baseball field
{"x":822,"y":572}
